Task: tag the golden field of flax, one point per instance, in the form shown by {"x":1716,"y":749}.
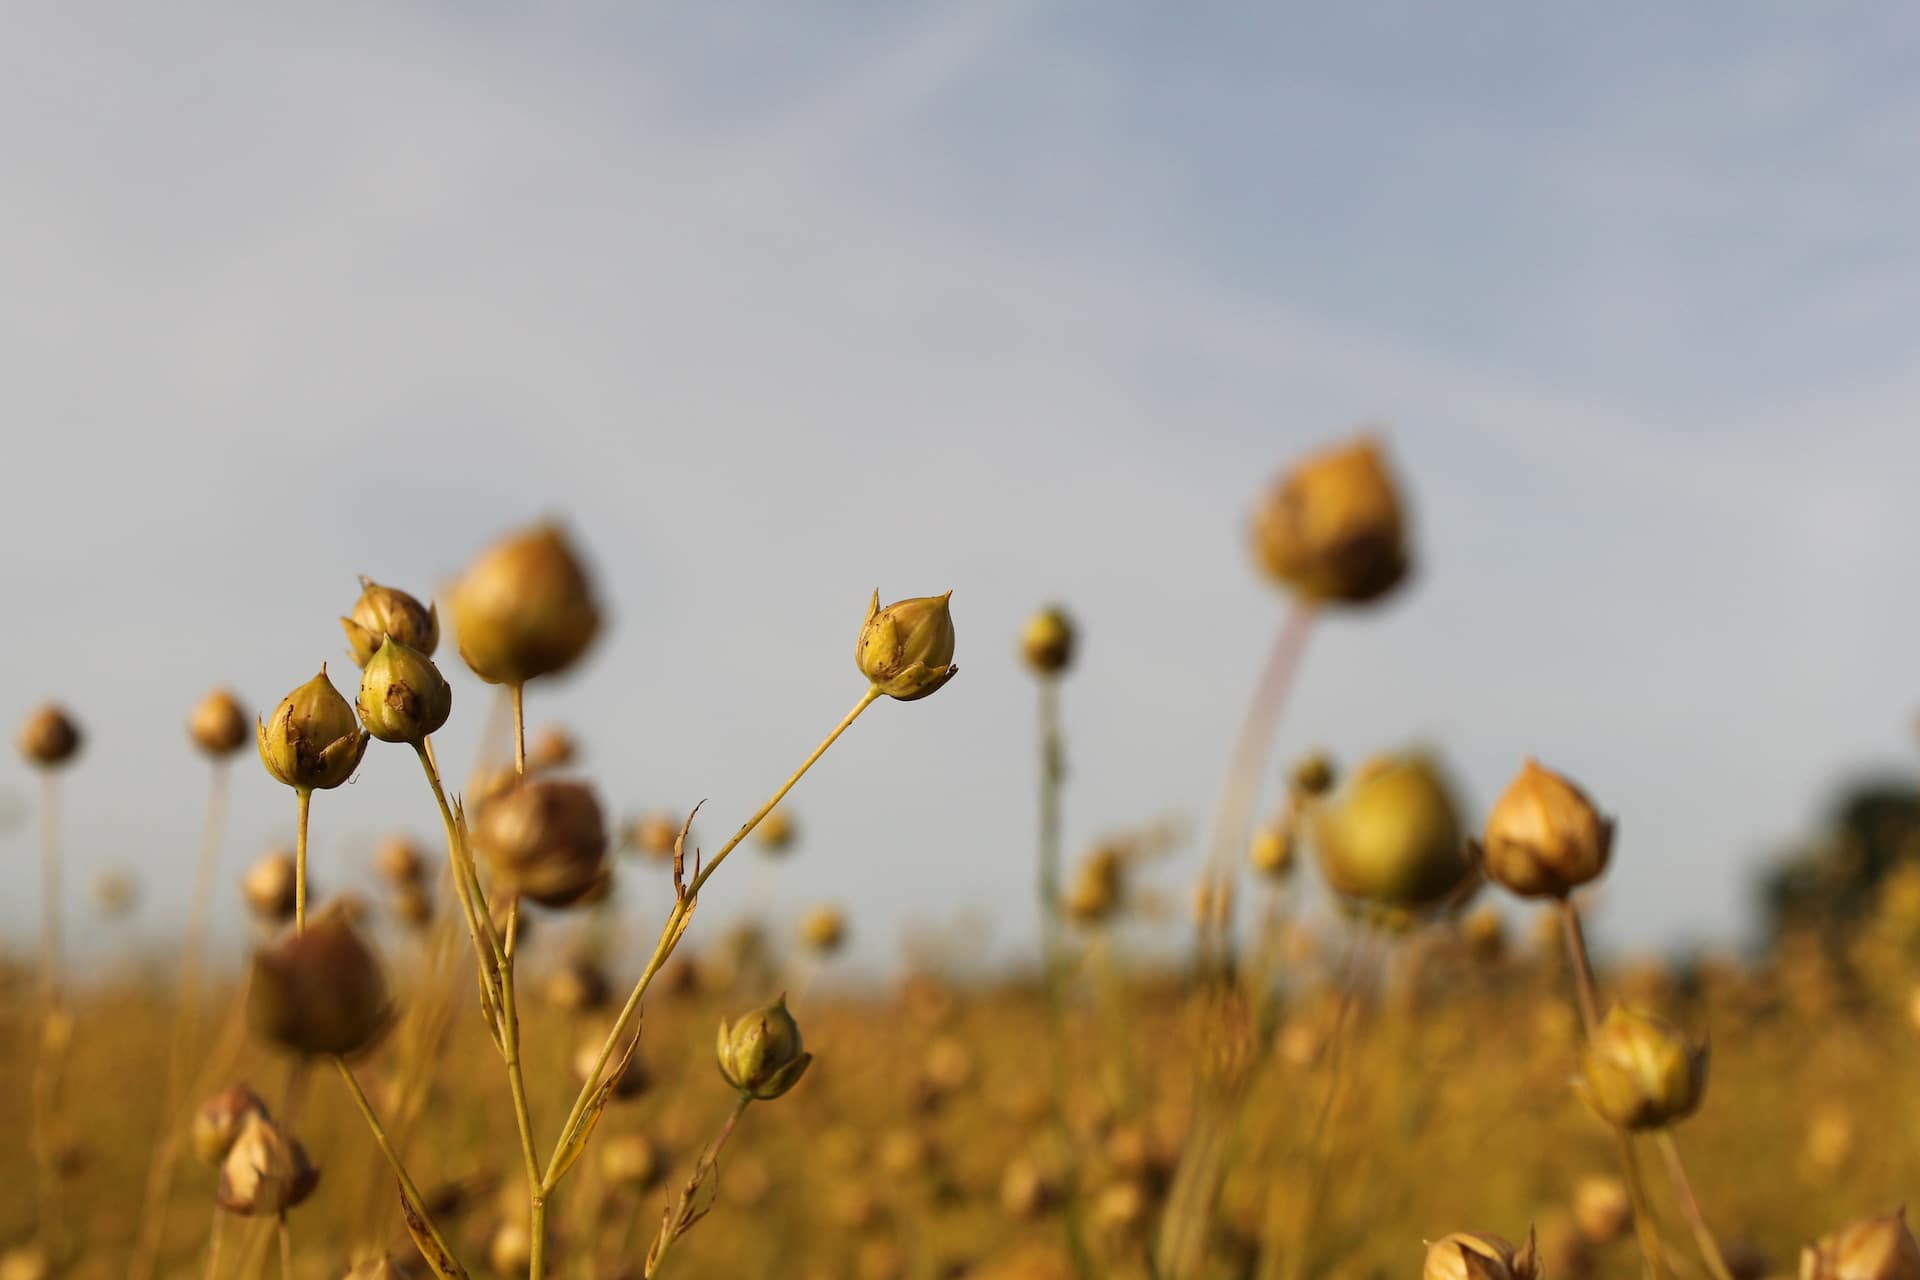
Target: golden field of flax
{"x":460,"y":1060}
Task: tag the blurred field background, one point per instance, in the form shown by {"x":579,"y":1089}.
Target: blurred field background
{"x":771,"y":304}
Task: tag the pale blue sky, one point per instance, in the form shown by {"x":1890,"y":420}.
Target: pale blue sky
{"x":781,"y":302}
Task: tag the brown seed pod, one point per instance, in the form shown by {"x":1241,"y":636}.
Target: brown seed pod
{"x":1642,"y":1072}
{"x":906,"y":649}
{"x":1333,"y":529}
{"x":270,"y":887}
{"x":381,"y":612}
{"x":217,"y":1123}
{"x":547,"y":840}
{"x":1468,"y":1256}
{"x":320,"y":991}
{"x":524,"y":608}
{"x":403,"y":696}
{"x":1879,"y":1248}
{"x":400,"y":862}
{"x":266,"y":1172}
{"x":1544,"y":838}
{"x":218,"y":725}
{"x":1047,"y":642}
{"x":312,"y":741}
{"x":50,"y":737}
{"x":823,"y":930}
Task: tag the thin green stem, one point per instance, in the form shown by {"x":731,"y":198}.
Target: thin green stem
{"x":670,"y":937}
{"x":1690,"y":1207}
{"x":417,"y":1201}
{"x":1053,"y":959}
{"x":1588,"y":1000}
{"x":303,"y":801}
{"x":677,"y":1221}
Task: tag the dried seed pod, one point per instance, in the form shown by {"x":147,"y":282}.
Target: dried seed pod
{"x":50,"y":737}
{"x":400,"y":862}
{"x":1602,"y":1209}
{"x":552,"y":748}
{"x":655,"y":833}
{"x":1642,"y":1072}
{"x":386,"y":612}
{"x":403,"y":696}
{"x":1271,"y":853}
{"x":1469,"y":1256}
{"x":1879,"y":1248}
{"x":1393,"y":838}
{"x":414,"y":905}
{"x":1333,"y":529}
{"x":218,"y":725}
{"x":579,"y":986}
{"x":631,"y":1160}
{"x":906,"y":649}
{"x":525,"y":608}
{"x":761,"y":1054}
{"x":823,"y":930}
{"x":312,"y":741}
{"x":319,"y":991}
{"x":546,"y":840}
{"x":775,"y":833}
{"x":1047,"y":642}
{"x":1544,"y":838}
{"x":266,"y":1172}
{"x":219,"y":1120}
{"x":270,"y":886}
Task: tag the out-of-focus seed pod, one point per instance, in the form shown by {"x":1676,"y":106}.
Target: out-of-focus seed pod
{"x":579,"y":986}
{"x":823,"y":930}
{"x":1880,"y":1248}
{"x":319,"y":991}
{"x":1047,"y":642}
{"x":1312,"y":775}
{"x":312,"y":741}
{"x":1642,"y":1072}
{"x":414,"y":905}
{"x":400,"y":862}
{"x":1485,"y":934}
{"x":1120,"y":1208}
{"x":1332,"y":529}
{"x":388,"y":613}
{"x":511,"y":1248}
{"x":949,"y":1065}
{"x":655,"y":833}
{"x":1469,"y":1256}
{"x":547,"y":840}
{"x":1271,"y":853}
{"x":403,"y":696}
{"x":50,"y":737}
{"x":266,"y":1172}
{"x":775,"y":834}
{"x":761,"y":1054}
{"x":1098,"y":886}
{"x":628,"y":1085}
{"x":218,"y":725}
{"x":1393,"y":838}
{"x":270,"y":886}
{"x":1602,"y":1209}
{"x":906,"y":649}
{"x":115,"y":893}
{"x":217,"y":1123}
{"x":1544,"y":838}
{"x":904,"y":1152}
{"x":525,"y":608}
{"x":552,"y":748}
{"x":1025,"y":1189}
{"x":631,"y":1160}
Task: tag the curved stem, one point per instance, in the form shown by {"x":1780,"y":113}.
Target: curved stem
{"x":670,"y":933}
{"x":680,"y":1219}
{"x":303,"y":800}
{"x":1588,"y":998}
{"x":417,"y":1201}
{"x":1690,"y":1207}
{"x":1233,"y":811}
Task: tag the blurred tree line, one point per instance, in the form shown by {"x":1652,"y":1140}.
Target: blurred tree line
{"x":1833,"y":879}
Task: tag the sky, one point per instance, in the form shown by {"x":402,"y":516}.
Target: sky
{"x":775,"y":304}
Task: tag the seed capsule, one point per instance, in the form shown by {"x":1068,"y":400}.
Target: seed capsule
{"x":218,"y":725}
{"x":775,"y":834}
{"x":654,"y":834}
{"x":524,"y":608}
{"x":50,"y":737}
{"x":1272,"y":851}
{"x":631,"y":1160}
{"x":761,"y":1055}
{"x":271,"y":886}
{"x":1394,"y":839}
{"x":1468,"y":1256}
{"x":1332,"y":529}
{"x":312,"y":742}
{"x":1881,"y":1248}
{"x":266,"y":1172}
{"x":546,"y":840}
{"x":1047,"y":642}
{"x":906,"y":649}
{"x":1642,"y":1072}
{"x":403,"y":696}
{"x":385,"y":612}
{"x":824,"y":930}
{"x":1544,"y":838}
{"x":217,"y":1124}
{"x":320,"y":991}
